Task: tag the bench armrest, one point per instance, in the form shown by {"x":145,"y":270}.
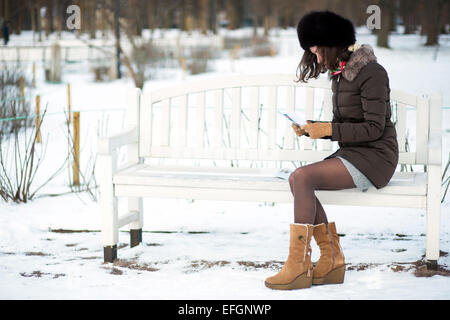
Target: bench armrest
{"x":107,"y":145}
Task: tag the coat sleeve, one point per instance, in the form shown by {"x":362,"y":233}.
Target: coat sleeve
{"x":374,"y":86}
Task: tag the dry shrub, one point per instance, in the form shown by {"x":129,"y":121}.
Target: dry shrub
{"x":198,"y":60}
{"x":145,"y":57}
{"x":12,"y":105}
{"x":258,"y":46}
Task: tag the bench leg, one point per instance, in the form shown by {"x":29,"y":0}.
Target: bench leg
{"x":110,"y":253}
{"x":433,"y":214}
{"x":110,"y":229}
{"x":108,"y":209}
{"x":135,"y":237}
{"x":135,"y":204}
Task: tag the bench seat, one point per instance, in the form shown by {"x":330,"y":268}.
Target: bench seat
{"x":205,"y":182}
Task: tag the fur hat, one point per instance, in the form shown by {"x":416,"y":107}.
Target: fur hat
{"x":325,"y":28}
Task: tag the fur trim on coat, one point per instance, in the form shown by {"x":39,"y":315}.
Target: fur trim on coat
{"x":357,"y":61}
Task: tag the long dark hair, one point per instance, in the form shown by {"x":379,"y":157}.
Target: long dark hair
{"x":309,"y":68}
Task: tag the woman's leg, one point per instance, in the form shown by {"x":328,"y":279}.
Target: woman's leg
{"x":330,"y":174}
{"x":321,"y":216}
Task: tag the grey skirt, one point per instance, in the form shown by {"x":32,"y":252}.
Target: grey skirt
{"x":359,"y":179}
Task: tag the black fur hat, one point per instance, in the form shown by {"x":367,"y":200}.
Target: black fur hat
{"x":325,"y":28}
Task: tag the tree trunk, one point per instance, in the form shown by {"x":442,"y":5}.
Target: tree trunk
{"x":51,"y":16}
{"x":92,"y":13}
{"x":39,"y":21}
{"x":189,"y":18}
{"x":432,"y":21}
{"x":383,"y":33}
{"x":138,"y":16}
{"x":151,"y":14}
{"x":407,"y":12}
{"x":255,"y":25}
{"x":203,"y":16}
{"x":232,"y":8}
{"x":445,"y":19}
{"x":213,"y":6}
{"x":393,"y":17}
{"x":19,"y":15}
{"x":266,"y":20}
{"x":33,"y":19}
{"x":6,"y":8}
{"x":1,"y":16}
{"x":46,"y":23}
{"x":116,"y":27}
{"x":58,"y":18}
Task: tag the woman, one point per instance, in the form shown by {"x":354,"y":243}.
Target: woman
{"x":361,"y":124}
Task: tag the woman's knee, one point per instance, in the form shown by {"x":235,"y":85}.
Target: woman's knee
{"x":300,"y":176}
{"x":291,"y":178}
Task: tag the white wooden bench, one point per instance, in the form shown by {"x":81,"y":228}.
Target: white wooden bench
{"x":222,"y":139}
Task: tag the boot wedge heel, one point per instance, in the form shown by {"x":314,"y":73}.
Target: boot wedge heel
{"x":301,"y":282}
{"x":335,"y":276}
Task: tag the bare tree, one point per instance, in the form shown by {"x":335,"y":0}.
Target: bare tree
{"x":386,"y":7}
{"x":234,"y":13}
{"x":432,"y":20}
{"x":408,"y":13}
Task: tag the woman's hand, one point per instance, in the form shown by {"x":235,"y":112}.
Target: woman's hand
{"x":298,"y":131}
{"x":317,"y":130}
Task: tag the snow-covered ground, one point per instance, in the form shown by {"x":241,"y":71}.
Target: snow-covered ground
{"x":50,"y":248}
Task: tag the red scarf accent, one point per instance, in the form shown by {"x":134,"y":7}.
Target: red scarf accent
{"x":339,"y":69}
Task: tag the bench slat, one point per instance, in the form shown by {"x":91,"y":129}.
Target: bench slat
{"x":145,"y":124}
{"x":200,"y":120}
{"x":289,"y":134}
{"x":422,"y":121}
{"x":309,"y":113}
{"x":236,"y":117}
{"x":165,"y":123}
{"x":254,"y":117}
{"x":272,"y":118}
{"x":183,"y":121}
{"x":401,"y":126}
{"x":218,"y":120}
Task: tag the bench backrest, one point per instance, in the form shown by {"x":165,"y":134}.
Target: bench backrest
{"x":236,"y":117}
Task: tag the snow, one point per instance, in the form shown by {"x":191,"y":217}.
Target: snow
{"x":209,"y":249}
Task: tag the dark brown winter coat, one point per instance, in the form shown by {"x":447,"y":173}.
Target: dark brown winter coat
{"x":362,"y":117}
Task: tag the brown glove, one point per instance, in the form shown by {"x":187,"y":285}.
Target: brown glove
{"x":299,"y":132}
{"x":317,"y":130}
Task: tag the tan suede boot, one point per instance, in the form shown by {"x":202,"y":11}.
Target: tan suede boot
{"x":330,"y":269}
{"x":297,"y":270}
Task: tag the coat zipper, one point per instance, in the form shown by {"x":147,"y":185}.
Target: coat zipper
{"x":336,"y":100}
